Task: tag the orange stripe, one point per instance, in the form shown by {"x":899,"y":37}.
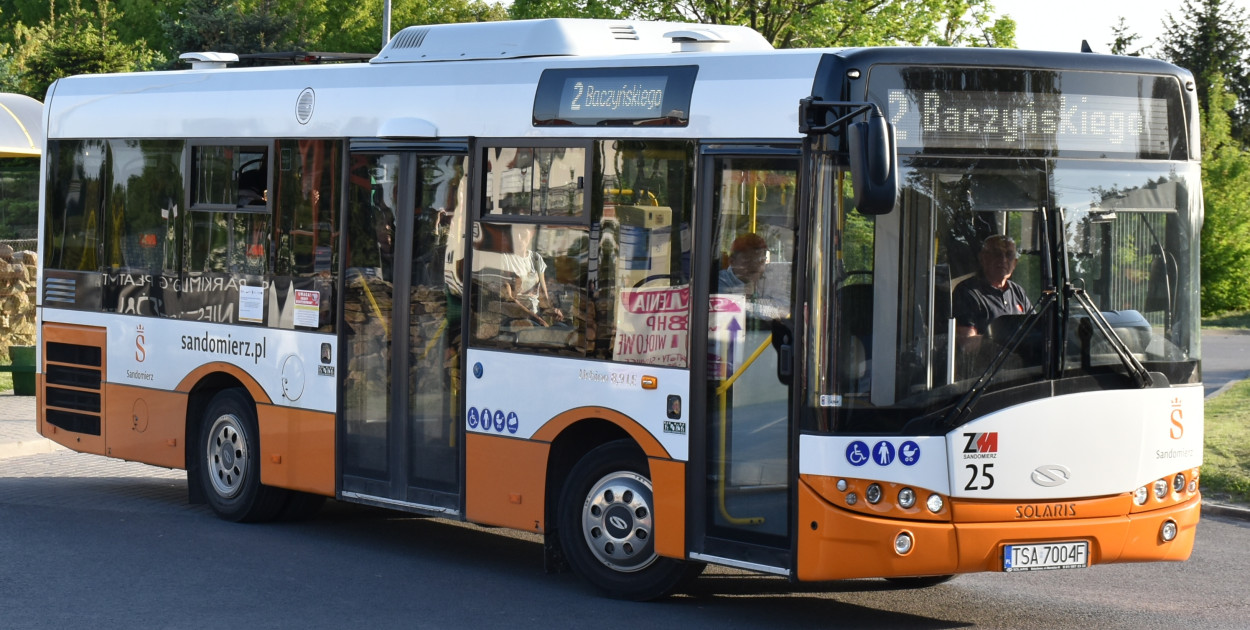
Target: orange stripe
{"x":296,"y":449}
{"x":505,"y":481}
{"x":198,"y":374}
{"x":668,"y":479}
{"x":558,"y":424}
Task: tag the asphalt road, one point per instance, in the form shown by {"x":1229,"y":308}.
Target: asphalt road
{"x":1225,"y":358}
{"x":91,"y":542}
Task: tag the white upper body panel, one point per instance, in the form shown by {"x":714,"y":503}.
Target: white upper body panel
{"x":736,"y":95}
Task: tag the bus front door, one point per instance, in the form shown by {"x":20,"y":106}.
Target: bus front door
{"x":400,"y":444}
{"x":750,"y":269}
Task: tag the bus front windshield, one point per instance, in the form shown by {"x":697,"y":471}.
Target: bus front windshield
{"x":1002,"y":274}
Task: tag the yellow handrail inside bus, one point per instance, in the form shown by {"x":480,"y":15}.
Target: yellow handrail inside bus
{"x":386,"y":325}
{"x":722,"y":393}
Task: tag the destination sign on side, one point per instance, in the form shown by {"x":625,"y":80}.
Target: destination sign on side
{"x":635,"y":96}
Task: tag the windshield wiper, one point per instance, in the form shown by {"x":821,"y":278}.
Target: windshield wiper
{"x":1137,"y":371}
{"x":960,"y":412}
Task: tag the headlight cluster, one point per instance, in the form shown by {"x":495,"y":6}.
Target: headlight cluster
{"x":1167,"y":491}
{"x":889,"y":499}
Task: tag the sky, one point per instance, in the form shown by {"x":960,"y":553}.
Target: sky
{"x":1062,"y":24}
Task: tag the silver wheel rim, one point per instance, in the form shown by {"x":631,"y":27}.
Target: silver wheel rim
{"x":226,"y":453}
{"x":617,"y":522}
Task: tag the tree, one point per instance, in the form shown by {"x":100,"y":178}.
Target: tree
{"x":810,"y":23}
{"x":237,"y":26}
{"x":78,"y":42}
{"x":1211,"y":40}
{"x":1226,"y":199}
{"x":1124,"y":39}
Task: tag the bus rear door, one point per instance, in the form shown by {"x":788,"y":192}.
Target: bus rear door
{"x":400,"y":444}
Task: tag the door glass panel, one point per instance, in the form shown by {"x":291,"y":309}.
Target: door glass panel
{"x":434,"y":327}
{"x":367,"y":300}
{"x":752,"y":254}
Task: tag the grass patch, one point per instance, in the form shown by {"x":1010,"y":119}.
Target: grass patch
{"x":1226,"y":453}
{"x":1229,"y":319}
{"x":6,"y":381}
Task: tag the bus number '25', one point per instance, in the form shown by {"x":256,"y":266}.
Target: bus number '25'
{"x":980,"y":472}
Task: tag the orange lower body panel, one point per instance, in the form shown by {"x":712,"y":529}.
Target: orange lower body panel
{"x":296,"y":449}
{"x":505,"y":482}
{"x":839,"y":544}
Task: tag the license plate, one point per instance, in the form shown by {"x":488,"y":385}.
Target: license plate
{"x":1044,"y":556}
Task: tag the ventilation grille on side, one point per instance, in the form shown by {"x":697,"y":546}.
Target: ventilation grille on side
{"x":73,"y":376}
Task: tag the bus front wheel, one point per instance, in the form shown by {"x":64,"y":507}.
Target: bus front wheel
{"x":606,"y":526}
{"x":230,"y":461}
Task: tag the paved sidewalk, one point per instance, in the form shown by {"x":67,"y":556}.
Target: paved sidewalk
{"x":18,"y":438}
{"x":17,"y":428}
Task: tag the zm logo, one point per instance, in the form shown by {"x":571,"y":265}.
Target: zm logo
{"x":981,"y":445}
{"x":1178,"y":427}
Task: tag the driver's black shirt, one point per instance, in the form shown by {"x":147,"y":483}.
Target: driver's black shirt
{"x":976,"y":303}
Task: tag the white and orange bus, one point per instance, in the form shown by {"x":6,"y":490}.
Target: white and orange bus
{"x":657,"y":292}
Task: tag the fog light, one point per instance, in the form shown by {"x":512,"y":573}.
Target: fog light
{"x":841,"y":485}
{"x":873,"y":493}
{"x":852,"y":499}
{"x":1193,"y":486}
{"x":1140,"y":496}
{"x":1167,"y":532}
{"x":934,"y":503}
{"x":1178,"y":482}
{"x":902,"y":544}
{"x":906,"y":498}
{"x":1161,"y":489}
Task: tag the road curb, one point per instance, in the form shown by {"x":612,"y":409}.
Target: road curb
{"x":1225,"y":510}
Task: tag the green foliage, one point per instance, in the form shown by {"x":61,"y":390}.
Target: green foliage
{"x":76,"y":42}
{"x":235,"y":26}
{"x":1227,"y":319}
{"x":19,"y":198}
{"x":1125,"y":40}
{"x":1226,"y":452}
{"x":811,"y":23}
{"x":1211,"y":40}
{"x":1226,"y":197}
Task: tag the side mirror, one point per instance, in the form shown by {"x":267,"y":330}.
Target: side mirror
{"x":874,"y":174}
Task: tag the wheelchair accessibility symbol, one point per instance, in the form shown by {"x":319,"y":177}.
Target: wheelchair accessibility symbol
{"x":857,"y":453}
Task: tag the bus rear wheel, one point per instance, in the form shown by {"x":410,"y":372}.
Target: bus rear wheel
{"x":606,"y":526}
{"x":230,"y":461}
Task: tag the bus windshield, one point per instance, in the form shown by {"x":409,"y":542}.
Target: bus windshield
{"x":1128,"y":242}
{"x":1046,"y":230}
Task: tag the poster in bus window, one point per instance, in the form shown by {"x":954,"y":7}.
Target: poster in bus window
{"x":727,"y":335}
{"x":653,"y":326}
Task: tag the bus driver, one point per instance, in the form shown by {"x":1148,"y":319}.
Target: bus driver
{"x":977,"y":301}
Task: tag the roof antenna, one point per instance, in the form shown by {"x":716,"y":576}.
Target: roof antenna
{"x":1085,"y":46}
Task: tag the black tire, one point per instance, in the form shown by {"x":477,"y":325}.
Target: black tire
{"x":230,"y":461}
{"x":605,"y":520}
{"x":920,"y":582}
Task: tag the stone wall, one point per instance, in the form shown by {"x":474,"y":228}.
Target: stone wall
{"x":18,"y":273}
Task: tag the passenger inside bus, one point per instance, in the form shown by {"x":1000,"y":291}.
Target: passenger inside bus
{"x":978,"y":300}
{"x":744,"y":275}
